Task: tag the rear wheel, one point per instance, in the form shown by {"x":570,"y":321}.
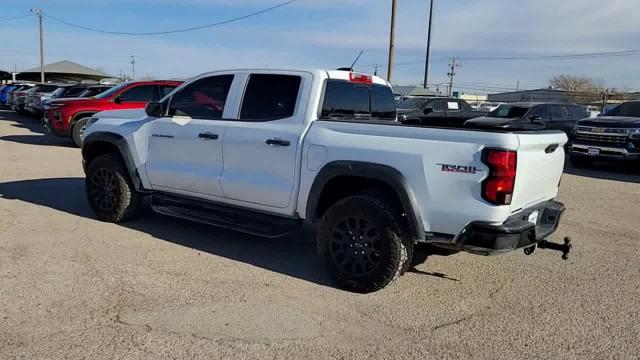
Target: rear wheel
{"x":364,"y":243}
{"x":581,"y":161}
{"x":78,"y":130}
{"x":109,"y":189}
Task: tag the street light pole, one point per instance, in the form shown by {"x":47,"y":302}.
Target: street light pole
{"x":392,"y":34}
{"x":38,"y":12}
{"x":428,"y":58}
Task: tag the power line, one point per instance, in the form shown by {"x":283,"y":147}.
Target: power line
{"x":532,"y":58}
{"x":174,"y":30}
{"x":16,"y":17}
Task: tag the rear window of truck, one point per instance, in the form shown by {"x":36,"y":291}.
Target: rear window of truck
{"x":347,"y":100}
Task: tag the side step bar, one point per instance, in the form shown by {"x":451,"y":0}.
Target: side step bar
{"x":228,"y":217}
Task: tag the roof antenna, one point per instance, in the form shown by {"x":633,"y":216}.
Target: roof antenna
{"x":356,"y":60}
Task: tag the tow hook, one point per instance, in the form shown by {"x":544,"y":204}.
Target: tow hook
{"x":564,"y":248}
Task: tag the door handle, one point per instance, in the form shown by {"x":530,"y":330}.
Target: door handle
{"x":278,"y":142}
{"x":208,"y":136}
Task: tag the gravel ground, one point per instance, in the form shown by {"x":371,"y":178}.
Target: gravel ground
{"x":157,"y":287}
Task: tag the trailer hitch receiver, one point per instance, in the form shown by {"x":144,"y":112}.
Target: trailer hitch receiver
{"x":544,"y":244}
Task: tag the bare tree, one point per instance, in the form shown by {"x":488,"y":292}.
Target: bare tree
{"x":575,"y":83}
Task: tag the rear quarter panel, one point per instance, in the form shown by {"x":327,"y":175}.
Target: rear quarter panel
{"x":447,"y":201}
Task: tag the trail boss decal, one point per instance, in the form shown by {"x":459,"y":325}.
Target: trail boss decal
{"x":459,"y":169}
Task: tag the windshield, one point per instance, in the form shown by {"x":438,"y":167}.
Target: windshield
{"x":111,"y":91}
{"x":630,"y":109}
{"x":508,"y":112}
{"x":412,"y":103}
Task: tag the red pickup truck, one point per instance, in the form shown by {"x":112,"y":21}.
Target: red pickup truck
{"x":68,"y":117}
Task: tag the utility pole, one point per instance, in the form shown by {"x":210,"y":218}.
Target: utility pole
{"x":38,"y":12}
{"x":392,"y":35}
{"x":133,"y":67}
{"x":428,"y":58}
{"x":452,"y":73}
{"x":518,"y":86}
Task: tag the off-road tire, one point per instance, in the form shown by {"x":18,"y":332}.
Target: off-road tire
{"x":78,"y":129}
{"x":390,"y":246}
{"x":117,"y":190}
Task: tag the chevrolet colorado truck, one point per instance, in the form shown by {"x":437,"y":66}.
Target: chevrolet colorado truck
{"x":265,"y":151}
{"x":68,"y":117}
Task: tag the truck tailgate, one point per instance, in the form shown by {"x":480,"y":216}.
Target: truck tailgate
{"x":540,"y":167}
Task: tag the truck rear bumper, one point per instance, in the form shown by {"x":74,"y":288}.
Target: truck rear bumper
{"x":515,"y":233}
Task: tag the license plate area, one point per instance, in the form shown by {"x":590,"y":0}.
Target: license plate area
{"x":593,"y":151}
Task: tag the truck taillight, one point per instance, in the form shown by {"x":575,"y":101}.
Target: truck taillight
{"x":360,"y":78}
{"x":498,"y":187}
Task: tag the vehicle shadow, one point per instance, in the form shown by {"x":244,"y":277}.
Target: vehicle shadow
{"x":623,"y":172}
{"x":293,"y":255}
{"x":40,"y":135}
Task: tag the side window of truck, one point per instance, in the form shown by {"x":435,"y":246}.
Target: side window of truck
{"x":203,"y":99}
{"x":270,"y":97}
{"x":346,"y":100}
{"x":542,"y":111}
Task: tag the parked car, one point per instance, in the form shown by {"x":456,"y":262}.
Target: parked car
{"x":437,"y":112}
{"x":14,"y":96}
{"x":4,"y":93}
{"x":19,"y":99}
{"x":68,"y":117}
{"x":40,"y":93}
{"x":324,"y":146}
{"x":614,"y":137}
{"x":532,"y":116}
{"x":74,"y":91}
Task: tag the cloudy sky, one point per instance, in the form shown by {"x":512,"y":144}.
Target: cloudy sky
{"x":330,"y":33}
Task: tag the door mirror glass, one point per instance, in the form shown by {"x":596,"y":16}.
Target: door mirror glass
{"x":119,"y":100}
{"x":428,"y":110}
{"x":536,"y":118}
{"x":154,"y":109}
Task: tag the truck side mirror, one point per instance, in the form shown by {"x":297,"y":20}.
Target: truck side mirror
{"x":154,"y":109}
{"x":428,"y":110}
{"x":535,"y":118}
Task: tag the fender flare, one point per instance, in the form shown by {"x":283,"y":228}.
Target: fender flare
{"x":373,"y":171}
{"x":121,"y":144}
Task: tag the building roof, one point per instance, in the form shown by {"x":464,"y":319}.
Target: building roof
{"x":63,"y":71}
{"x":68,"y":67}
{"x":413,"y":91}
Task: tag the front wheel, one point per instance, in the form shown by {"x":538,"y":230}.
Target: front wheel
{"x":364,"y":243}
{"x":110,"y":192}
{"x":78,"y":130}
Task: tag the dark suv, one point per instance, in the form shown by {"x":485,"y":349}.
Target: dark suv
{"x":533,"y":116}
{"x":612,"y":137}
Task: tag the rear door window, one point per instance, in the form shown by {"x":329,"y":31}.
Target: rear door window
{"x":542,"y":111}
{"x":344,"y":99}
{"x":558,"y":113}
{"x":203,"y":99}
{"x":140,"y":93}
{"x":438,"y":105}
{"x":270,"y":97}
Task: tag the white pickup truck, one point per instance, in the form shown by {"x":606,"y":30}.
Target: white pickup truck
{"x":265,"y":151}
